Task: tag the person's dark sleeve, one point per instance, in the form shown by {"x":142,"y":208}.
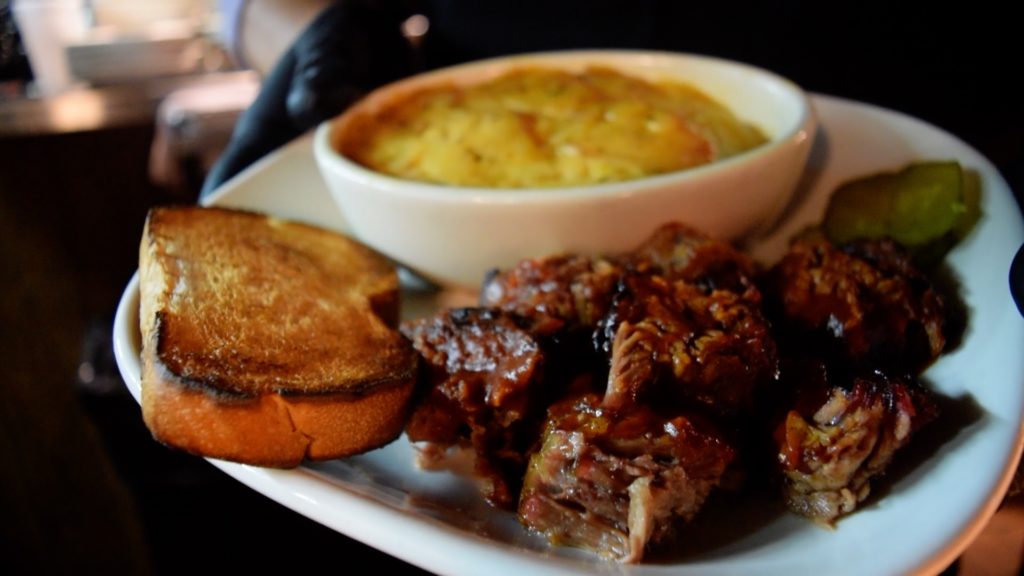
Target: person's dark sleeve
{"x":350,"y":48}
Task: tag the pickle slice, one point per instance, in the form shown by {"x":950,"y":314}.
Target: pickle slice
{"x":926,"y":206}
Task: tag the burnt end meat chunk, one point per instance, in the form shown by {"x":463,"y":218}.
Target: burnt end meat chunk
{"x":679,"y":252}
{"x":555,"y":294}
{"x":481,"y":373}
{"x":866,"y":301}
{"x":616,"y":482}
{"x":838,"y":438}
{"x":673,"y":344}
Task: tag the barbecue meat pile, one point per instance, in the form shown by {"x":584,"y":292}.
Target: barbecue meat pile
{"x":605,"y":399}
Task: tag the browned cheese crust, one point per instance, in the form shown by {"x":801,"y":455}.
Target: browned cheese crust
{"x":267,"y":341}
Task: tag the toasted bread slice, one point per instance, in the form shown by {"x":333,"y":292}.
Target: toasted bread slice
{"x":267,"y":341}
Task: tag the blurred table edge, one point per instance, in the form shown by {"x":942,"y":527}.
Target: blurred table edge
{"x":85,"y":108}
{"x":999,"y":548}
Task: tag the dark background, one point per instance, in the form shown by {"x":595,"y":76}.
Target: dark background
{"x":83,"y":488}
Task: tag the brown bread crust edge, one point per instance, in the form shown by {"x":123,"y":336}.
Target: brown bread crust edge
{"x":270,"y":429}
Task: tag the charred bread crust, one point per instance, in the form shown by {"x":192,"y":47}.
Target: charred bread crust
{"x":266,"y":341}
{"x":270,"y":429}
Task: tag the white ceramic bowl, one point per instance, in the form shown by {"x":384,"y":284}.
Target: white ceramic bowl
{"x":454,"y":235}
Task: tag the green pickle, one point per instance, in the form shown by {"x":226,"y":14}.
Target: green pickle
{"x":926,"y":206}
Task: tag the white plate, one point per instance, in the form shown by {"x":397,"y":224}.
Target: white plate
{"x":927,"y":516}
